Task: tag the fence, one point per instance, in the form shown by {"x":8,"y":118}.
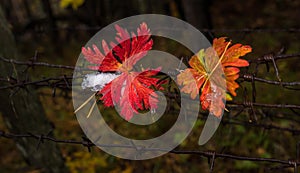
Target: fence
{"x":64,"y":82}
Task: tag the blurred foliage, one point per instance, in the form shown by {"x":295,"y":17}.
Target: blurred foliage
{"x":62,"y":45}
{"x":82,"y":161}
{"x":74,"y":3}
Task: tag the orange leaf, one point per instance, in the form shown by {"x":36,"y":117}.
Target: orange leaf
{"x":209,"y":78}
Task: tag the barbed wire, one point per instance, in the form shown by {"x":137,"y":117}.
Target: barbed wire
{"x":211,"y":155}
{"x":64,"y":82}
{"x":247,"y":77}
{"x":32,"y":63}
{"x":205,"y":30}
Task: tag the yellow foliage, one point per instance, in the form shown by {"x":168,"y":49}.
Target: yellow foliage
{"x":128,"y":169}
{"x":83,"y":161}
{"x":74,"y":3}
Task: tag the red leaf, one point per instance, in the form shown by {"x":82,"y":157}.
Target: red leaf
{"x":132,"y":91}
{"x":129,"y":51}
{"x":93,"y":56}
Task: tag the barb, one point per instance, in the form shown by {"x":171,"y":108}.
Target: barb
{"x":266,"y":105}
{"x":64,"y":82}
{"x":223,"y":30}
{"x":87,"y":143}
{"x":53,"y":82}
{"x":33,"y":63}
{"x":270,"y":57}
{"x":250,"y":77}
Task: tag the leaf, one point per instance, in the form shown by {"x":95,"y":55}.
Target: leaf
{"x":132,"y":91}
{"x":129,"y":51}
{"x":122,"y":56}
{"x":93,"y":56}
{"x":231,"y":61}
{"x":212,"y":100}
{"x":209,"y":78}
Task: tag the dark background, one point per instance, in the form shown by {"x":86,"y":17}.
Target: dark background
{"x":58,"y":32}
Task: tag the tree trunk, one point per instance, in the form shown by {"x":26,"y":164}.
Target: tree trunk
{"x":23,"y":112}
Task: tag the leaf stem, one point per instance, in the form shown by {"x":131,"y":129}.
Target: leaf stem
{"x":221,"y":58}
{"x":91,"y":109}
{"x":84,"y":103}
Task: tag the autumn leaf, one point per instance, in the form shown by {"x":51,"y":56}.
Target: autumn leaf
{"x":94,"y":56}
{"x":231,"y":61}
{"x":131,"y":90}
{"x":208,"y":76}
{"x":123,"y":55}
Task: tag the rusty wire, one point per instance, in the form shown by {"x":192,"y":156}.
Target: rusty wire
{"x":65,"y":82}
{"x":211,"y":155}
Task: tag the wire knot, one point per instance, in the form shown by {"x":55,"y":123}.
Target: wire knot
{"x":87,"y":143}
{"x":267,"y":57}
{"x":248,"y":77}
{"x":247,"y":103}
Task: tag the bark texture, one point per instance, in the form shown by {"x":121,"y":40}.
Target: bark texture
{"x":23,"y":112}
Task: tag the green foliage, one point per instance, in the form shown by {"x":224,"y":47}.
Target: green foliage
{"x":245,"y":165}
